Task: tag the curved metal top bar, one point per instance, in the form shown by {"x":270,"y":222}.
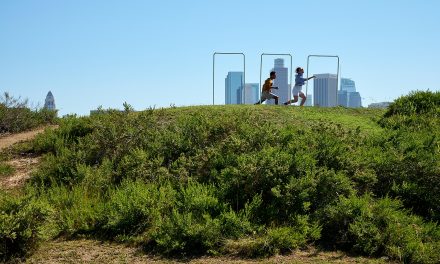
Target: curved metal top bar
{"x":229,"y":53}
{"x":322,"y":56}
{"x":276,"y":54}
{"x":334,"y":56}
{"x":213,"y":69}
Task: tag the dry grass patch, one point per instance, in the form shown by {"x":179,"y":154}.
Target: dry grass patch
{"x":92,"y":251}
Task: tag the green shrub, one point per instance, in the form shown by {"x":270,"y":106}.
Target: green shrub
{"x":235,"y":225}
{"x":78,"y":210}
{"x":418,"y":102}
{"x":283,"y":240}
{"x":184,"y":233}
{"x":21,"y":220}
{"x":329,"y":187}
{"x":275,"y":240}
{"x":70,"y":131}
{"x":135,"y":207}
{"x":139,"y":165}
{"x":47,"y":142}
{"x":407,"y":168}
{"x":60,"y":169}
{"x":263,"y":172}
{"x":193,"y":226}
{"x":375,"y":228}
{"x":5,"y":169}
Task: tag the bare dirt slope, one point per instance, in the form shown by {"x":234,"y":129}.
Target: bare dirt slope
{"x":9,"y":140}
{"x":22,"y":171}
{"x":23,"y":165}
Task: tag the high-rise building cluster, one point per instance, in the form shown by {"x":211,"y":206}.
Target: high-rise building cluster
{"x":325,"y":89}
{"x":326,"y":94}
{"x":238,"y":92}
{"x":233,"y":85}
{"x":347,"y":95}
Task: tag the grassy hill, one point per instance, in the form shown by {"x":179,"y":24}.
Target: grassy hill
{"x":243,"y":180}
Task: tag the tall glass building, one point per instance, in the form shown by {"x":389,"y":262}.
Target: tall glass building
{"x":325,"y":90}
{"x":348,"y":85}
{"x":348,"y":96}
{"x":354,"y":100}
{"x":343,"y":98}
{"x":233,"y":83}
{"x":249,"y":95}
{"x":49,"y":102}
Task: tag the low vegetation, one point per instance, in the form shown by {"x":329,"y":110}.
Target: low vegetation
{"x":17,"y":116}
{"x":247,"y":180}
{"x":5,"y":169}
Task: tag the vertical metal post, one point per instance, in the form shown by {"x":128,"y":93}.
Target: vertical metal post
{"x":213,"y":71}
{"x":213,"y":75}
{"x":337,"y":73}
{"x":291,"y":70}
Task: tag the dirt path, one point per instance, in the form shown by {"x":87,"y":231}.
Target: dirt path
{"x":9,"y":140}
{"x":92,"y":251}
{"x":24,"y":165}
{"x":23,"y":168}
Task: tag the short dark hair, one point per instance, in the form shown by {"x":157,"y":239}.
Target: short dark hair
{"x":297,"y":69}
{"x":272,"y":73}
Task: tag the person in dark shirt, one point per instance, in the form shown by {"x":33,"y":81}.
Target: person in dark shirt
{"x":267,"y":88}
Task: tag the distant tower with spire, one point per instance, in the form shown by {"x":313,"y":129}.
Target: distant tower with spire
{"x":49,"y":103}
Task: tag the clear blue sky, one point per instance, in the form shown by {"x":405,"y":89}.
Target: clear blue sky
{"x":156,"y":53}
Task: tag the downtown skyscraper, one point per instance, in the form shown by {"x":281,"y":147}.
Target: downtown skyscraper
{"x":233,"y":86}
{"x":249,"y":95}
{"x":325,"y":90}
{"x":49,"y":102}
{"x":347,"y":95}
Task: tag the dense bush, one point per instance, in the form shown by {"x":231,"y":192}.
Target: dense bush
{"x":77,"y":210}
{"x":379,"y":227}
{"x":246,"y":179}
{"x":419,"y":102}
{"x":410,"y":168}
{"x":135,"y":207}
{"x":275,"y":240}
{"x":16,"y":116}
{"x":20,"y":226}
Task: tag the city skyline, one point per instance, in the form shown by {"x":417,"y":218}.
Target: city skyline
{"x":347,"y":94}
{"x":116,"y":52}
